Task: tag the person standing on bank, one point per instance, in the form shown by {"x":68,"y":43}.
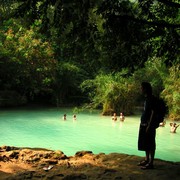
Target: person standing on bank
{"x":147,"y":132}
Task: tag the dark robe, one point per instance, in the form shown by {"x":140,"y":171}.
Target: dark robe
{"x":146,"y":140}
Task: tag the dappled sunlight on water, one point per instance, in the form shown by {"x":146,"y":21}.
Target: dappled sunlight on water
{"x":45,"y":128}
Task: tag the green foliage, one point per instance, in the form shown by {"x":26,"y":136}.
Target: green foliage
{"x":154,"y":72}
{"x":11,"y":98}
{"x":6,"y":8}
{"x":67,"y":79}
{"x":123,"y":39}
{"x":171,"y":93}
{"x":113,"y":92}
{"x":26,"y":58}
{"x":120,"y":92}
{"x":161,"y":20}
{"x":51,"y":47}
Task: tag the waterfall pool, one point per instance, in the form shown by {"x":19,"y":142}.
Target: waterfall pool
{"x":45,"y":128}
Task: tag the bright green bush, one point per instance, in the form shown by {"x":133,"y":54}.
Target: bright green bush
{"x":112,"y":92}
{"x":171,"y":93}
{"x":154,"y":72}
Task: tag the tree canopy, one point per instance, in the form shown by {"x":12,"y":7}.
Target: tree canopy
{"x":50,"y":48}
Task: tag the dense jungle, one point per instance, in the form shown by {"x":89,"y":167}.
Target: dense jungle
{"x":90,"y":53}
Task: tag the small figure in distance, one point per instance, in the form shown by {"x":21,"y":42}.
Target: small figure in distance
{"x":74,"y":117}
{"x":122,"y":117}
{"x":162,"y":124}
{"x":64,"y":117}
{"x":114,"y":117}
{"x":174,"y":126}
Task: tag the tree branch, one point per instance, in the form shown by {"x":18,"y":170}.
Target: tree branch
{"x":161,"y":24}
{"x":170,"y":3}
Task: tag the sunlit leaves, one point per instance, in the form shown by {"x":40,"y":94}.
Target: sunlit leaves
{"x":113,"y":92}
{"x":171,"y":93}
{"x":31,"y":56}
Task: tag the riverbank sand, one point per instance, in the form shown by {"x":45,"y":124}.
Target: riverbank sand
{"x":26,"y":163}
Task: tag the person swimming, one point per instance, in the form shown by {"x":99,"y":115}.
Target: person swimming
{"x":74,"y":117}
{"x":122,"y":117}
{"x":162,"y":124}
{"x":64,"y":117}
{"x":114,"y":117}
{"x":174,"y":127}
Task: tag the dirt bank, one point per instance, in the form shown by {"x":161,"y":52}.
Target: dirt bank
{"x":25,"y":163}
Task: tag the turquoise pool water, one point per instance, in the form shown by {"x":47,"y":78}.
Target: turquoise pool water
{"x":45,"y":128}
